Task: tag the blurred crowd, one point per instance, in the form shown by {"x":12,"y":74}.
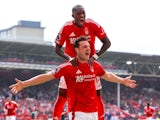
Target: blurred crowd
{"x":132,"y":101}
{"x":39,"y":100}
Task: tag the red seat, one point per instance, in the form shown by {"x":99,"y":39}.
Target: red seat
{"x":41,"y":117}
{"x":20,"y":117}
{"x":27,"y":117}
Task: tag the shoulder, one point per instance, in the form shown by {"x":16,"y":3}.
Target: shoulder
{"x":62,"y":69}
{"x":90,"y":21}
{"x":68,"y":23}
{"x":145,"y":108}
{"x":66,"y":26}
{"x":15,"y":103}
{"x":62,"y":66}
{"x":6,"y":103}
{"x":152,"y":108}
{"x":96,"y":63}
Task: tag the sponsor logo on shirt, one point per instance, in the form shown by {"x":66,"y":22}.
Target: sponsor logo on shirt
{"x":78,"y":72}
{"x":72,"y":38}
{"x":83,"y":78}
{"x":86,"y":31}
{"x":72,"y":34}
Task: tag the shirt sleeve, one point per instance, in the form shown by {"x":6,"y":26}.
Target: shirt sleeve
{"x":60,"y":70}
{"x":62,"y":35}
{"x":98,"y":30}
{"x":57,"y":72}
{"x":60,"y":39}
{"x":99,"y":69}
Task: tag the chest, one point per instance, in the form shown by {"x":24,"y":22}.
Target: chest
{"x":10,"y":106}
{"x":81,"y":74}
{"x":73,"y":33}
{"x":148,"y":110}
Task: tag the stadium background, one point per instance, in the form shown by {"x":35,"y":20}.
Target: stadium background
{"x":24,"y":54}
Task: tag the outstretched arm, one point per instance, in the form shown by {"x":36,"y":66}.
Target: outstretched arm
{"x":39,"y":79}
{"x":127,"y":81}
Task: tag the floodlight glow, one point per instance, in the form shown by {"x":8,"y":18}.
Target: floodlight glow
{"x":128,"y":62}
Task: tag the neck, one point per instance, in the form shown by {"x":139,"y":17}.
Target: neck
{"x":77,"y":25}
{"x":80,"y":60}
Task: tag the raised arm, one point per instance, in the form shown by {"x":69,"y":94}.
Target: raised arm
{"x":60,"y":52}
{"x":127,"y":81}
{"x":106,"y":44}
{"x":39,"y":79}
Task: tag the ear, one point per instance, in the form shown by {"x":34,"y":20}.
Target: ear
{"x":72,"y":15}
{"x":76,"y":50}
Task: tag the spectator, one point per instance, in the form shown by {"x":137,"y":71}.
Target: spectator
{"x":10,"y":108}
{"x":149,"y":112}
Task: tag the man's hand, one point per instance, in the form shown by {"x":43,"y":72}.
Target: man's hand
{"x":130,"y":83}
{"x":15,"y":88}
{"x":91,"y":60}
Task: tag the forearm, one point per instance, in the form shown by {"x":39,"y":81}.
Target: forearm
{"x":106,"y":44}
{"x":37,"y":80}
{"x":59,"y":52}
{"x":113,"y":78}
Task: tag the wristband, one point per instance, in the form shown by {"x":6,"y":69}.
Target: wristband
{"x":70,"y":58}
{"x":95,"y":56}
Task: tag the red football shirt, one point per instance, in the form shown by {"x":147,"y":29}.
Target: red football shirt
{"x":11,"y":108}
{"x":149,"y":111}
{"x":80,"y":82}
{"x":70,"y":32}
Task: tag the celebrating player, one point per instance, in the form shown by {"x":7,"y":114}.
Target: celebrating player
{"x":80,"y":81}
{"x":71,"y":30}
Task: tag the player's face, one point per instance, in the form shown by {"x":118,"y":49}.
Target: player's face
{"x":79,"y":16}
{"x":83,"y":51}
{"x":8,"y":99}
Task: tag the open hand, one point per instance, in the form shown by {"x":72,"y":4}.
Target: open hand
{"x":15,"y":88}
{"x":129,"y":82}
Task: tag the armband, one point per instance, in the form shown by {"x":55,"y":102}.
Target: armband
{"x":95,"y":56}
{"x":70,"y":58}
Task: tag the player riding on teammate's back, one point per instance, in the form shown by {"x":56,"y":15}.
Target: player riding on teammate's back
{"x":72,"y":30}
{"x":80,"y":81}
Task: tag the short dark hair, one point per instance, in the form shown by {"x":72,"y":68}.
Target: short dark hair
{"x":82,"y":38}
{"x":75,"y":8}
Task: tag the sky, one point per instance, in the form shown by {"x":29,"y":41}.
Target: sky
{"x":133,"y":26}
